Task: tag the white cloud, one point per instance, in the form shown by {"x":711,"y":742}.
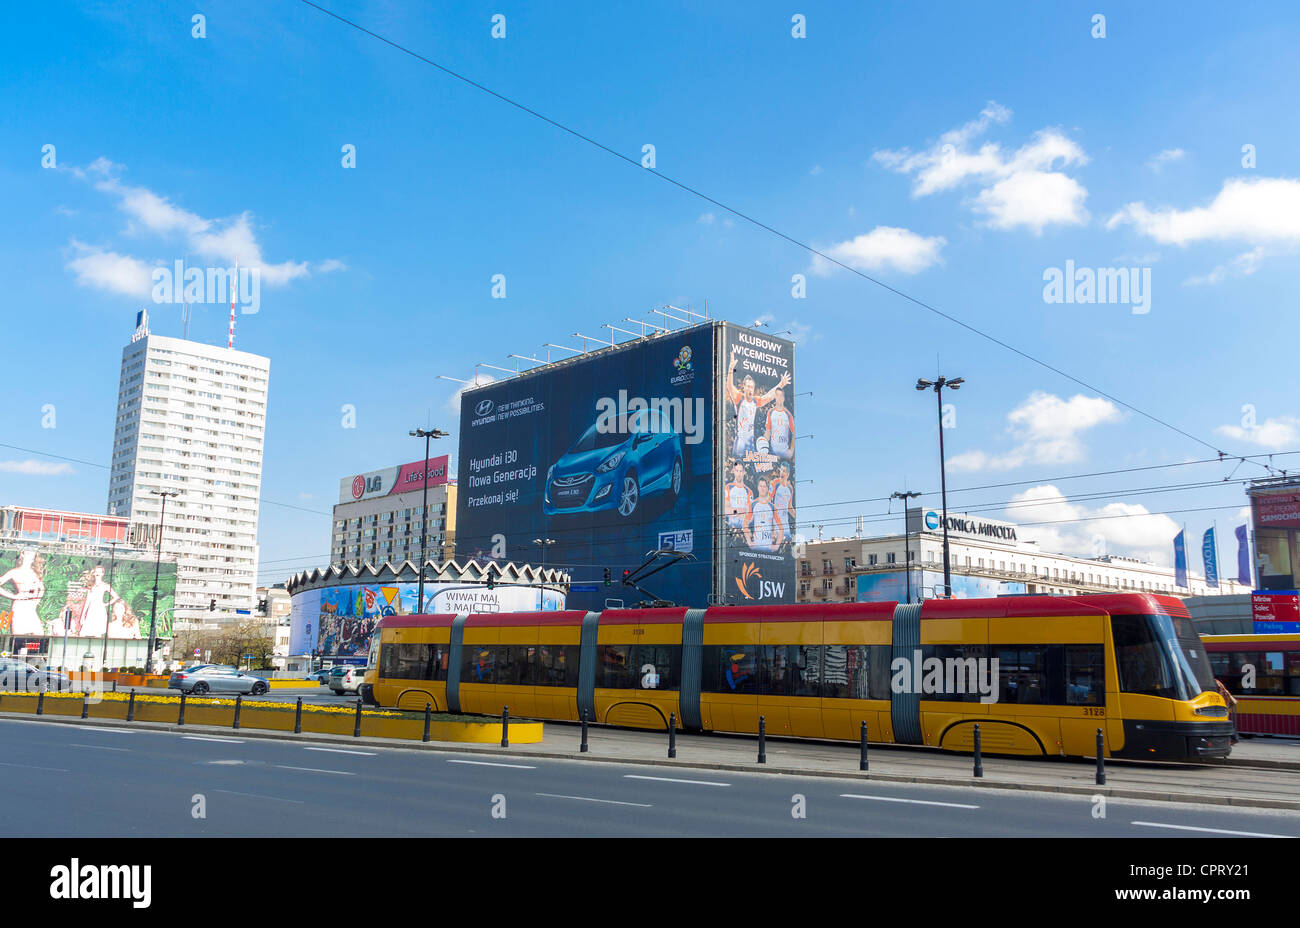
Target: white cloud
{"x":453,"y":402}
{"x":1167,"y":156}
{"x":816,"y":169}
{"x":706,"y":219}
{"x":884,"y":247}
{"x":1274,"y":434}
{"x":1127,"y":529}
{"x":1047,"y":430}
{"x":1023,"y":188}
{"x":108,"y":270}
{"x":1263,"y":210}
{"x":1242,"y":265}
{"x":41,"y":468}
{"x":329,"y":265}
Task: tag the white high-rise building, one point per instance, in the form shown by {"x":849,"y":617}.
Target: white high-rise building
{"x":191,"y":418}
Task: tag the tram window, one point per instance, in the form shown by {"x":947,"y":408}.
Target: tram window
{"x":657,"y":666}
{"x":1022,"y":674}
{"x":807,"y":666}
{"x":963,"y":671}
{"x":1143,"y":665}
{"x":835,"y":672}
{"x":515,"y":664}
{"x":1085,"y":675}
{"x":410,"y":661}
{"x":776,"y":676}
{"x":730,"y":669}
{"x":478,"y":664}
{"x":558,"y":665}
{"x":614,"y":666}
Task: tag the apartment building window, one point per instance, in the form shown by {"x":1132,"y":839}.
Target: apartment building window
{"x":872,"y":559}
{"x":890,"y":557}
{"x":828,"y":584}
{"x":848,"y":564}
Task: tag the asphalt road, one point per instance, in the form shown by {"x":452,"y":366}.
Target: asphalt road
{"x":62,"y":780}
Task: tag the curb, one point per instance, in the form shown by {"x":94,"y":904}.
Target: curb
{"x":1110,"y":792}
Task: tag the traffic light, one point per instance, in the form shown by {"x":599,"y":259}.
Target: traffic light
{"x":608,"y":579}
{"x":212,"y":605}
{"x":626,"y":573}
{"x":491,"y":583}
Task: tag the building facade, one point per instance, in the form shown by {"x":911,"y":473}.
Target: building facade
{"x":377,"y":518}
{"x":986,"y":557}
{"x":191,"y":419}
{"x":1275,"y":507}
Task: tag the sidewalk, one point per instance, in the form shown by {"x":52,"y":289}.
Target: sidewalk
{"x":1219,"y":783}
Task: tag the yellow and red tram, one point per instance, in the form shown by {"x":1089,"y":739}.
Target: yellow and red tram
{"x":1039,"y":673}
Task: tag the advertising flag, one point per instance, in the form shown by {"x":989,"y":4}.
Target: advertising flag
{"x":1180,"y":559}
{"x":1243,"y":556}
{"x":1211,"y":558}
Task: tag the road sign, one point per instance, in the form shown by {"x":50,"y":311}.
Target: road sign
{"x":243,"y":612}
{"x":583,"y":588}
{"x":196,"y":652}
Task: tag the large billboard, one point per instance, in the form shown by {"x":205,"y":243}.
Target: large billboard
{"x":611,"y":455}
{"x":893,"y":586}
{"x":41,"y":591}
{"x":756,"y":468}
{"x":393,"y":480}
{"x":339,"y":620}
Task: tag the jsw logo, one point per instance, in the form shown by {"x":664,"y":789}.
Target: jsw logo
{"x":767,"y":589}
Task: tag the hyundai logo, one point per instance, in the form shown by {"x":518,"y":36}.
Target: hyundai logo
{"x":483,"y":408}
{"x":932,"y":520}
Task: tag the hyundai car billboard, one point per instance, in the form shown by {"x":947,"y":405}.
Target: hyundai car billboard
{"x":757,"y":464}
{"x":608,"y":456}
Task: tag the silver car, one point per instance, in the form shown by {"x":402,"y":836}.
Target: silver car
{"x":216,"y":678}
{"x":18,"y":676}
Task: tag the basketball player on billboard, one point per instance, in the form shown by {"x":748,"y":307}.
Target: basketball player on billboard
{"x":780,"y":427}
{"x":747,"y":402}
{"x":739,"y":500}
{"x":765,"y":533}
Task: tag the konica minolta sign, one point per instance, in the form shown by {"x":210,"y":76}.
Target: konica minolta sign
{"x":931,"y":520}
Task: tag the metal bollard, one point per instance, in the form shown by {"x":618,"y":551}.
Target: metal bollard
{"x":356,"y":728}
{"x":85,"y":705}
{"x":180,"y":718}
{"x":1101,"y":759}
{"x":979,"y":765}
{"x":505,"y":727}
{"x":582,"y":748}
{"x":672,"y":734}
{"x":762,"y":739}
{"x":239,"y":704}
{"x":428,"y":717}
{"x":862,"y":754}
{"x":130,"y":707}
{"x":40,"y":702}
{"x":297,"y":718}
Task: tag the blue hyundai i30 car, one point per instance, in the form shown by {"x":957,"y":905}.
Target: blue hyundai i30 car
{"x":637,"y":456}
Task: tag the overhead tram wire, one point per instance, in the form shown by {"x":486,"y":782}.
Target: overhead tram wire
{"x":764,"y":226}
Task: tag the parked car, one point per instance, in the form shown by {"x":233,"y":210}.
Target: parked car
{"x":18,"y":676}
{"x":344,"y":679}
{"x":615,"y":466}
{"x":320,"y":676}
{"x":215,"y":678}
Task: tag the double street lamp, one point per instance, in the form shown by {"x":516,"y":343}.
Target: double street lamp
{"x":153,"y":607}
{"x":907,"y":537}
{"x":426,"y":434}
{"x":937,"y":386}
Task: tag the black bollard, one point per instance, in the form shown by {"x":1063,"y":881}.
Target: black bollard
{"x":1101,"y":759}
{"x":862,"y":753}
{"x":40,"y":702}
{"x":505,"y":727}
{"x":85,"y":705}
{"x":356,"y":728}
{"x":297,"y":718}
{"x":762,"y":739}
{"x":239,"y":704}
{"x":130,"y":707}
{"x":582,"y":748}
{"x":672,"y":734}
{"x":180,"y":718}
{"x":979,"y":765}
{"x":428,"y":717}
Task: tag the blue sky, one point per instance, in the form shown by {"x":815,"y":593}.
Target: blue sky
{"x":1122,"y":151}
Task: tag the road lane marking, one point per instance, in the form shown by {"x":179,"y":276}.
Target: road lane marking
{"x":257,"y":796}
{"x":208,"y":738}
{"x":612,"y":802}
{"x":488,"y":763}
{"x":342,"y":751}
{"x":341,"y":773}
{"x":1215,"y":831}
{"x":30,"y":767}
{"x":918,"y":802}
{"x":98,"y":747}
{"x":636,"y":776}
{"x":120,"y":731}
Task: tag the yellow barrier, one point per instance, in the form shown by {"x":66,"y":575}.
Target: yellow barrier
{"x":202,"y":712}
{"x":294,"y":684}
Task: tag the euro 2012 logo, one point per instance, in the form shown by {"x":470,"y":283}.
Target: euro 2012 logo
{"x":683,"y":360}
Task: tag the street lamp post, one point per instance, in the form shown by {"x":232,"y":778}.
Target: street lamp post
{"x":426,"y":434}
{"x":153,"y":607}
{"x":108,"y":620}
{"x":543,"y":543}
{"x":907,"y":537}
{"x":937,"y":386}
